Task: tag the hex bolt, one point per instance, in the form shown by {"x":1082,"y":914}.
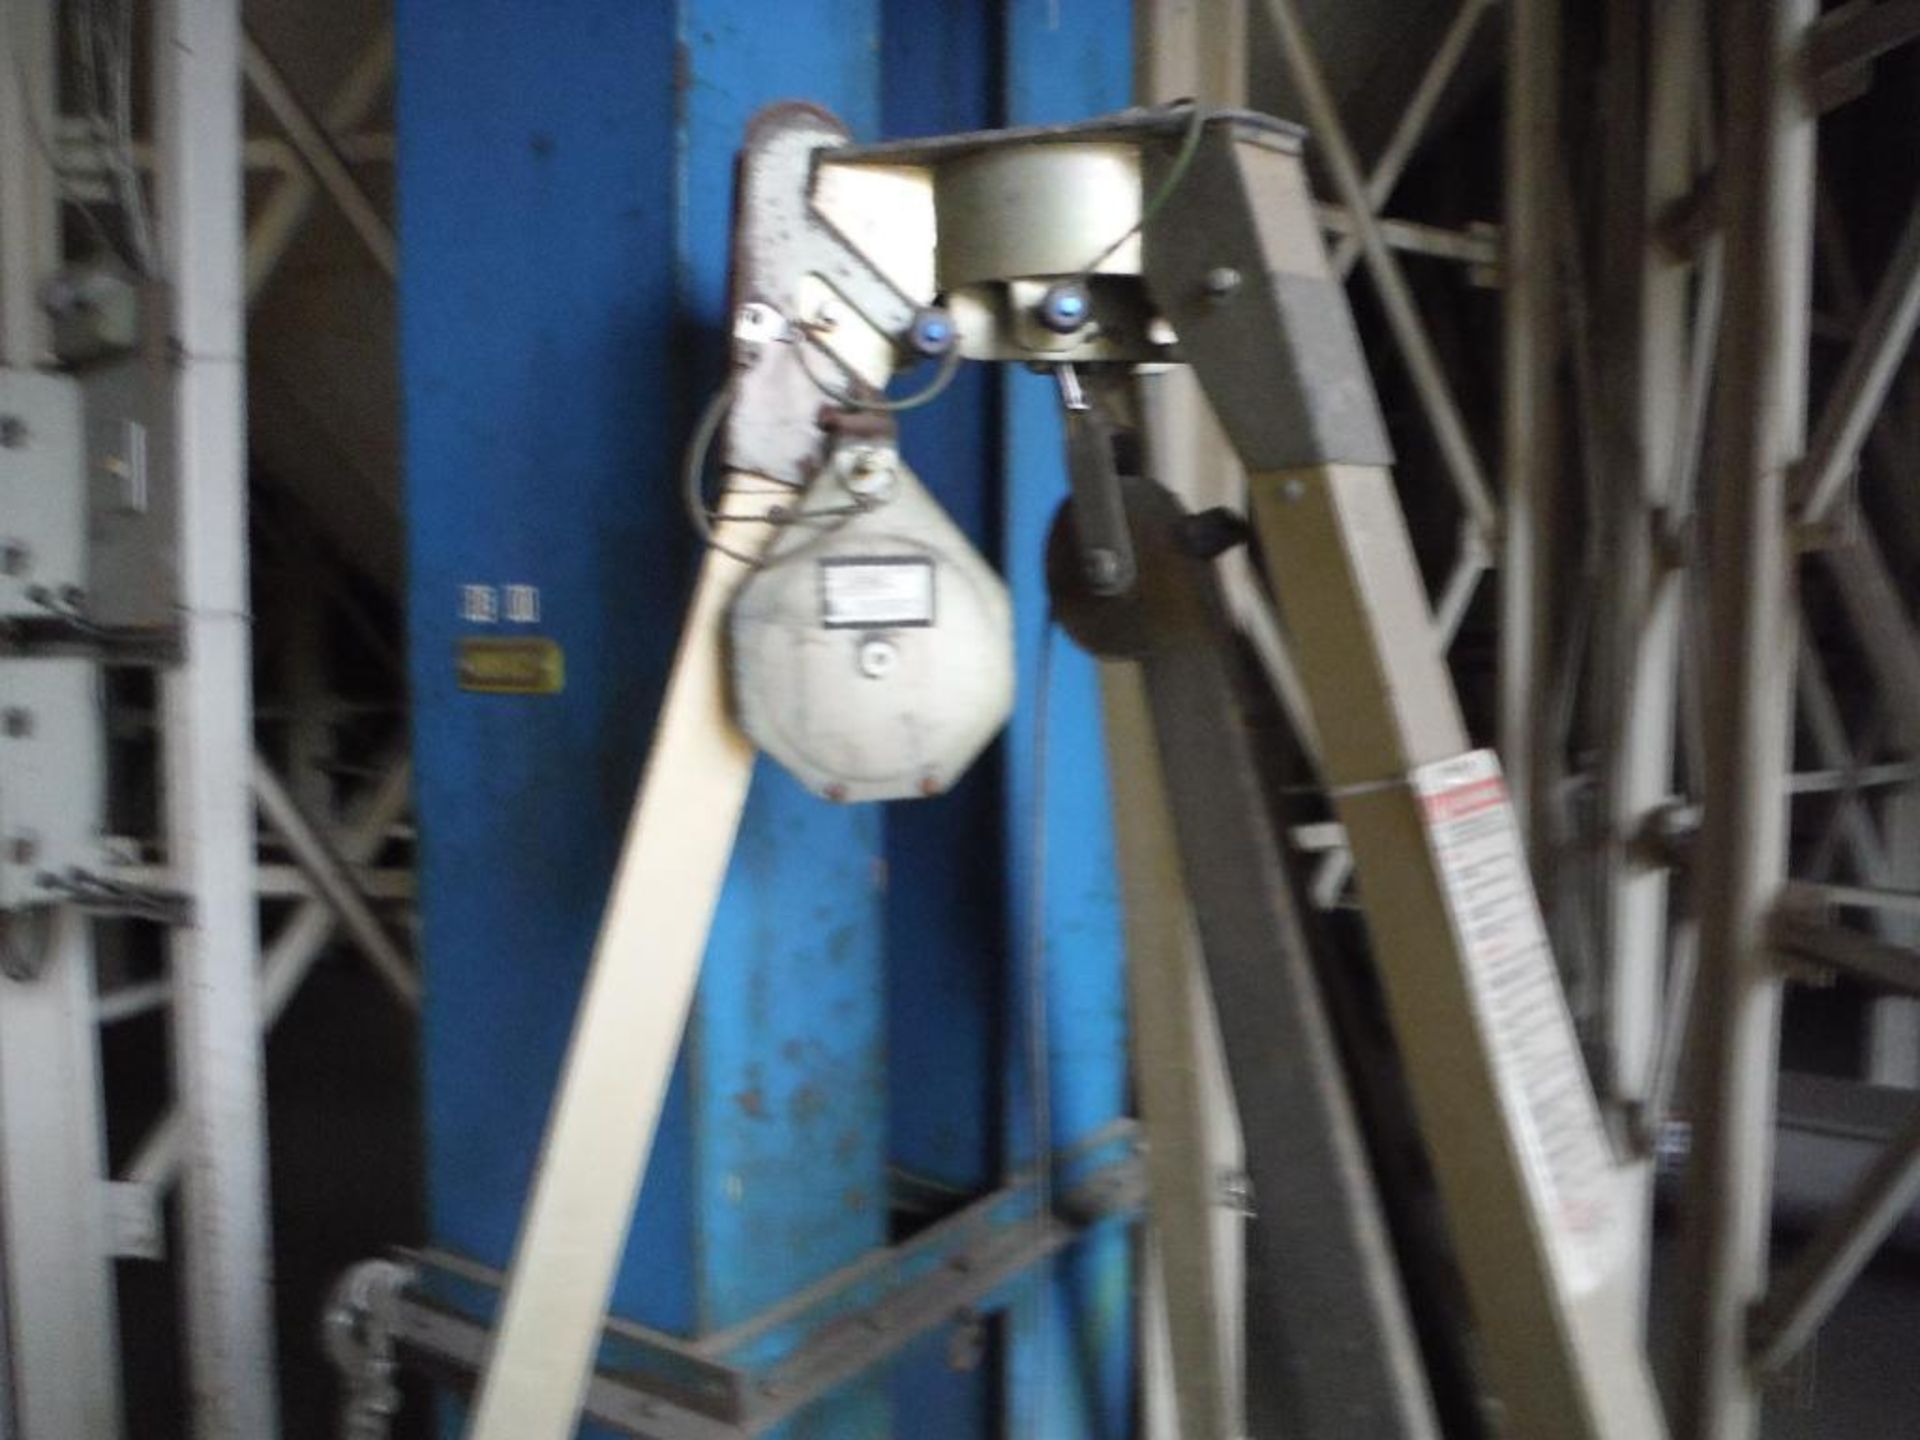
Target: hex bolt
{"x":13,"y":432}
{"x":869,"y":473}
{"x":1102,"y":569}
{"x":17,"y":722}
{"x":931,"y":332}
{"x":1221,"y":282}
{"x":1236,"y":1191}
{"x":1065,"y":308}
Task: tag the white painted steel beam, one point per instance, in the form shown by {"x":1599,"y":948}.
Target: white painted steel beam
{"x":289,"y":959}
{"x":1531,"y":300}
{"x":207,"y":735}
{"x":1767,"y":201}
{"x":316,"y":147}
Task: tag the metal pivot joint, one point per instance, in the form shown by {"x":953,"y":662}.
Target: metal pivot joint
{"x":1099,"y":517}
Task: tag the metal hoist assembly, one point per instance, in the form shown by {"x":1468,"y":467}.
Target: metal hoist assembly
{"x":844,"y":626}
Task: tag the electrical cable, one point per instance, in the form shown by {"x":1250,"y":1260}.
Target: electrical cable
{"x":693,"y":482}
{"x":1039,"y":1050}
{"x":61,"y":183}
{"x":133,"y":199}
{"x":1182,"y":163}
{"x":704,"y":518}
{"x":926,"y":395}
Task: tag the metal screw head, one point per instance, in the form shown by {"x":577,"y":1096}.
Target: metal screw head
{"x":932,"y":332}
{"x":1102,"y":567}
{"x":1221,"y":282}
{"x":878,"y":659}
{"x":868,"y":471}
{"x":1065,"y":308}
{"x":1236,"y":1191}
{"x":1294,"y":490}
{"x":17,"y":722}
{"x":757,"y":323}
{"x":13,"y":432}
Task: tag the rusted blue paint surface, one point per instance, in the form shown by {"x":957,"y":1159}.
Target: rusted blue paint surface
{"x":565,"y":175}
{"x":1069,"y":1372}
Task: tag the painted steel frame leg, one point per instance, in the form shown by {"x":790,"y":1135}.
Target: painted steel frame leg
{"x":633,"y":1011}
{"x":1337,"y":1353}
{"x":1185,"y":1100}
{"x":1535,"y":1202}
{"x":1554,"y":1295}
{"x":1768,"y":211}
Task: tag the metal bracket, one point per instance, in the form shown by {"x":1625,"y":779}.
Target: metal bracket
{"x":358,"y":1330}
{"x":746,"y":1380}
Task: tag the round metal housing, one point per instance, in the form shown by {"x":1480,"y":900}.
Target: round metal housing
{"x":872,"y":656}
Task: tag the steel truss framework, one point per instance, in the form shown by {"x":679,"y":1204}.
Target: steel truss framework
{"x":223,"y":991}
{"x":1661,"y":334}
{"x":1659,"y":490}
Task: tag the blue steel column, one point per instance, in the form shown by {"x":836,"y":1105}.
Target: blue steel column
{"x":1070,"y":1363}
{"x":946,"y":947}
{"x":566,"y":173}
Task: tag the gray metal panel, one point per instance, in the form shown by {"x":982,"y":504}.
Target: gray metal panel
{"x":133,"y":573}
{"x":42,"y":541}
{"x":50,"y":774}
{"x":1239,"y":269}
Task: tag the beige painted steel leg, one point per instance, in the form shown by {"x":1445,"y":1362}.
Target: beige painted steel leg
{"x":632,"y":1014}
{"x":1186,"y":1102}
{"x":1194,"y":48}
{"x":1538,"y":1211}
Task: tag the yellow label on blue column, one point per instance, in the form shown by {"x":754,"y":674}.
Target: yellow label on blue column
{"x":520,"y":665}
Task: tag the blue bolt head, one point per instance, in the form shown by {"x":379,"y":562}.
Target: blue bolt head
{"x":1065,"y":307}
{"x":932,"y":332}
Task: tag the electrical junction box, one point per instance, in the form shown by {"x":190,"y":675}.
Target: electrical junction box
{"x":43,"y":494}
{"x":872,"y":651}
{"x":133,"y":570}
{"x":51,"y":776}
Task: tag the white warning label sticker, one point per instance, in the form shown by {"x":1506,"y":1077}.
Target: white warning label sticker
{"x":1548,"y":1097}
{"x":876,"y":591}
